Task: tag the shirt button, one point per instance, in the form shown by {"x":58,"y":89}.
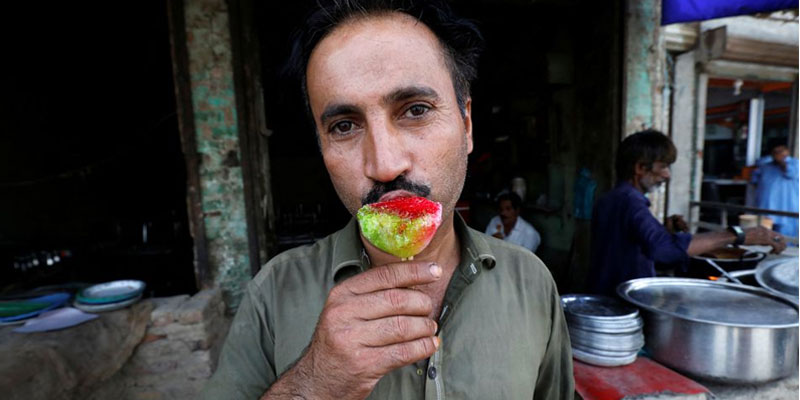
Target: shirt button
{"x":432,"y":372}
{"x":420,"y":372}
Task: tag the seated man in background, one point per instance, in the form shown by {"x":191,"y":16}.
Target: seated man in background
{"x":509,"y":226}
{"x":777,"y":187}
{"x":627,"y":240}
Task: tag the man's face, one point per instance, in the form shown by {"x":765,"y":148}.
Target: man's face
{"x":780,"y":153}
{"x":386,"y":113}
{"x":651,"y":179}
{"x":508,"y":214}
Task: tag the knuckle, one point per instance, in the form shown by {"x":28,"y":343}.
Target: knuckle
{"x":400,"y":325}
{"x":427,"y":346}
{"x":402,"y":354}
{"x":336,"y":292}
{"x":395,"y":298}
{"x":426,"y":302}
{"x":386,"y":276}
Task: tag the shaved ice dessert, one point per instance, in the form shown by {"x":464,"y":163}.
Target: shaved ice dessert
{"x":402,"y":227}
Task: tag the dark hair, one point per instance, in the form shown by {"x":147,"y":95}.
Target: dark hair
{"x":459,"y":37}
{"x":644,"y":147}
{"x":516,"y":202}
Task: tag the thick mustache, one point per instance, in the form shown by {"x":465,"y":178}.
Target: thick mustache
{"x":399,"y":183}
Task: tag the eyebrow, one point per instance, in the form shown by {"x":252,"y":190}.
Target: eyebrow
{"x":410,"y":92}
{"x":334,"y":110}
{"x":395,"y":96}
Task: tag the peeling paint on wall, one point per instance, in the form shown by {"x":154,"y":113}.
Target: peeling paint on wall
{"x":217,"y":135}
{"x":644,"y":67}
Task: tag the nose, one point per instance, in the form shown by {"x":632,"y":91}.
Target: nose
{"x":666,"y":173}
{"x":386,"y":155}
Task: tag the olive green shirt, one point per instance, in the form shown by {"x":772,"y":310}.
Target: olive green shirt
{"x":502,"y":329}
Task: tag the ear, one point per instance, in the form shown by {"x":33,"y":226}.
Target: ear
{"x":468,"y":123}
{"x":640,"y":169}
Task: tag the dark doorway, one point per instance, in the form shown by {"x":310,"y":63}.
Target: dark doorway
{"x":92,"y":178}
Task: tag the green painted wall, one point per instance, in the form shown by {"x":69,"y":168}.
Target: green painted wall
{"x":644,"y":67}
{"x":217,"y":135}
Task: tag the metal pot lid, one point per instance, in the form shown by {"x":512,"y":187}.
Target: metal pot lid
{"x":625,"y":326}
{"x":705,"y":301}
{"x":597,"y":308}
{"x":779,"y":276}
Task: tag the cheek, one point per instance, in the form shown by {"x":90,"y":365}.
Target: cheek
{"x":343,"y":170}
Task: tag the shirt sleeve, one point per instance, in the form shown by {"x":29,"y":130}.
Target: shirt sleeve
{"x":792,"y":168}
{"x":657,"y":243}
{"x":556,"y":376}
{"x":535,"y":240}
{"x":246,"y":365}
{"x":756,"y":177}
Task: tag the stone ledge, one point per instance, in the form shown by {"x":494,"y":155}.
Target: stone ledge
{"x":177,"y":354}
{"x":70,"y":362}
{"x":166,"y":309}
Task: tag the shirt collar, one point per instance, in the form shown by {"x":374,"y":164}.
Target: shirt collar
{"x":350,"y":258}
{"x":473,"y":244}
{"x":627,"y":187}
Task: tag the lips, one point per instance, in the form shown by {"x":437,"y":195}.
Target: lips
{"x":395,"y":194}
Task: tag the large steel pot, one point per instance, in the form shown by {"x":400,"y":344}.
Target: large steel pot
{"x":717,"y":331}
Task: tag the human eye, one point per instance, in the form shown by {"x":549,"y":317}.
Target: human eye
{"x":417,"y":110}
{"x":342,"y":128}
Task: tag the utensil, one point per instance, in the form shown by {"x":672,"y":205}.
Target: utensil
{"x":51,"y":301}
{"x":603,"y":330}
{"x":718,"y":331}
{"x":111,"y":292}
{"x":723,"y":272}
{"x":730,"y":259}
{"x":603,"y":361}
{"x":780,"y":277}
{"x":96,"y":308}
{"x":607,"y":341}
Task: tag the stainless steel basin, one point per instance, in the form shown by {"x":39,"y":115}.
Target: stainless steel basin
{"x":717,"y":331}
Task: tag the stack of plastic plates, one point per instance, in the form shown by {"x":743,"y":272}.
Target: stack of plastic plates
{"x":109,"y":296}
{"x":603,"y":331}
{"x":19,"y":311}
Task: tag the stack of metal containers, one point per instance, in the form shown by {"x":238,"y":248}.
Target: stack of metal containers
{"x":603,"y":331}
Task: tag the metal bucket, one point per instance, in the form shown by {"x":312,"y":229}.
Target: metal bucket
{"x":717,"y":331}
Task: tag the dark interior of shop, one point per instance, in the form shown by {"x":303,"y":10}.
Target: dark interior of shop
{"x":92,"y":177}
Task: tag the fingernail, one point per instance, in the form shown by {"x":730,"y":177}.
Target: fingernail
{"x":436,"y":270}
{"x":435,"y":326}
{"x":436,"y":342}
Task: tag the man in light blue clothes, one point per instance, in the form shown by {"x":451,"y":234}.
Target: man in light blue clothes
{"x":777,"y":187}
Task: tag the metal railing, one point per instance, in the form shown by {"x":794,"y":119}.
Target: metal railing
{"x":694,"y":215}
